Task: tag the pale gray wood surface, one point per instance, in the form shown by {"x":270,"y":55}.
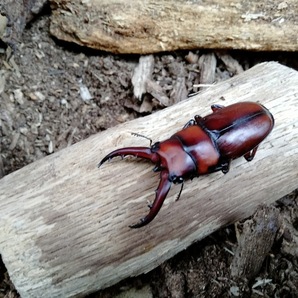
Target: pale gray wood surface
{"x":64,"y":222}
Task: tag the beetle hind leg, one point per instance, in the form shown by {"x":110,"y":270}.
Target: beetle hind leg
{"x":161,"y":193}
{"x":251,"y":154}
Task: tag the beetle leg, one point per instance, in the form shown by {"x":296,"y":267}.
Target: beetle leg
{"x":161,"y":193}
{"x":179,"y":194}
{"x":251,"y":154}
{"x":142,"y":152}
{"x":215,"y":107}
{"x":198,"y":119}
{"x":225,"y":167}
{"x":191,"y":122}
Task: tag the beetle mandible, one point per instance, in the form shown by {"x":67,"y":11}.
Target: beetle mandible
{"x":205,"y":145}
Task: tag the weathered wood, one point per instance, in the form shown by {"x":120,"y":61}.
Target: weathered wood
{"x":64,"y":222}
{"x":255,"y":241}
{"x":207,"y":64}
{"x":142,"y":27}
{"x":142,"y":73}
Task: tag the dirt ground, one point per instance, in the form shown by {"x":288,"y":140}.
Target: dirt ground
{"x":43,"y":109}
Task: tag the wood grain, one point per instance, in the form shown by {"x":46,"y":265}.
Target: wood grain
{"x":64,"y":222}
{"x":150,"y":26}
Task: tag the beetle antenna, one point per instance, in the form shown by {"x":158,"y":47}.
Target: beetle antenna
{"x":179,"y":194}
{"x":142,"y":136}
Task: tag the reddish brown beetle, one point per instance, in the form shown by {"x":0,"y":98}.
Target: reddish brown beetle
{"x":205,"y":145}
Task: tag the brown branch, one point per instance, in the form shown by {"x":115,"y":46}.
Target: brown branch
{"x":142,"y":27}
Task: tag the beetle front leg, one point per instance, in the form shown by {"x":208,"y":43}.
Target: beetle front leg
{"x":251,"y":154}
{"x":180,"y":192}
{"x":215,"y":107}
{"x":189,"y":123}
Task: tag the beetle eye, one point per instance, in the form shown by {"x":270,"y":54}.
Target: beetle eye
{"x":177,"y":179}
{"x":155,"y":147}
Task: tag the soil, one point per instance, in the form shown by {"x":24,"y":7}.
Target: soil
{"x":44,"y":108}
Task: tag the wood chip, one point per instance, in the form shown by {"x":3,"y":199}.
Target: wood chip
{"x":192,"y":58}
{"x":142,"y":73}
{"x":50,"y":147}
{"x":2,"y":172}
{"x":179,"y":91}
{"x":2,"y":81}
{"x":233,"y":66}
{"x":156,"y":91}
{"x":146,"y":106}
{"x":14,"y":141}
{"x":19,"y":96}
{"x":207,"y":65}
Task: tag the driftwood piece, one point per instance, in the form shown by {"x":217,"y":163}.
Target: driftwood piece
{"x":64,"y":222}
{"x":142,"y":27}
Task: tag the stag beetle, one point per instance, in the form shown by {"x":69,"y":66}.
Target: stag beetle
{"x":205,"y":145}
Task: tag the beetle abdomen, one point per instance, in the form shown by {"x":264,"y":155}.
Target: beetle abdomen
{"x":239,"y":128}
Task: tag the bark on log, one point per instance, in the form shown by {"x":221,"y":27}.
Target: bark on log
{"x":142,"y":27}
{"x":64,"y":222}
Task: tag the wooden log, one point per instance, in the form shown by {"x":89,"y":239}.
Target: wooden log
{"x":150,"y":26}
{"x":64,"y":222}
